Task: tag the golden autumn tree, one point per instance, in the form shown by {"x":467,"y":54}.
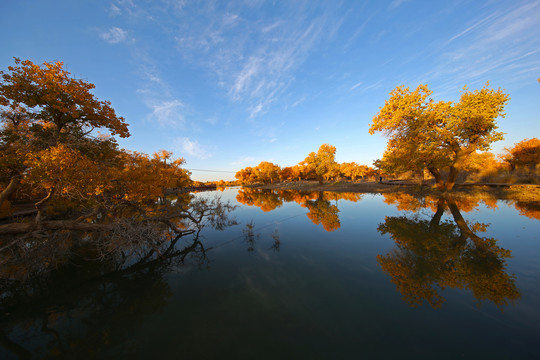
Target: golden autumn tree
{"x":267,"y":172}
{"x":141,"y":178}
{"x":481,"y":165}
{"x":354,"y":170}
{"x":50,"y":147}
{"x":437,"y":135}
{"x":298,"y":171}
{"x":286,"y":174}
{"x":525,"y":153}
{"x":245,"y":176}
{"x":322,"y":164}
{"x":44,"y":107}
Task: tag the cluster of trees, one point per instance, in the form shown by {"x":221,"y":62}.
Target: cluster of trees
{"x":320,"y":166}
{"x":444,"y":138}
{"x":447,"y":138}
{"x":51,"y":150}
{"x":88,"y":195}
{"x":517,"y":163}
{"x":524,"y":154}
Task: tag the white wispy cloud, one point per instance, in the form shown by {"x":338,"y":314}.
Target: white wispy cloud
{"x":156,"y":93}
{"x":258,"y":61}
{"x":355,"y":86}
{"x":230,"y":19}
{"x":397,"y":3}
{"x":298,"y":102}
{"x":255,"y":110}
{"x":518,"y":22}
{"x":191,"y":147}
{"x":166,"y":112}
{"x":471,"y":28}
{"x":212,"y":120}
{"x":272,"y":26}
{"x":243,"y":161}
{"x":128,"y":8}
{"x":114,"y":35}
{"x":114,"y":10}
{"x":500,"y":46}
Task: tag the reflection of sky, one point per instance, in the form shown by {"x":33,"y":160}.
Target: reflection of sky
{"x":326,"y":288}
{"x":359,"y":221}
{"x":322,"y":294}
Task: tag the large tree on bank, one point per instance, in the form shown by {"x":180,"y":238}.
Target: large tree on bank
{"x":437,"y":135}
{"x":44,"y":110}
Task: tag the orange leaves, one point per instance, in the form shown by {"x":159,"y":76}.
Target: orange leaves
{"x":140,"y":177}
{"x":524,"y":153}
{"x":53,"y":96}
{"x":402,"y":107}
{"x":354,"y":170}
{"x":266,"y":172}
{"x":65,"y":168}
{"x":322,"y":164}
{"x":46,"y":146}
{"x":435,"y":135}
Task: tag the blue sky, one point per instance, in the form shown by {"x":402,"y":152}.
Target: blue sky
{"x":228,"y":84}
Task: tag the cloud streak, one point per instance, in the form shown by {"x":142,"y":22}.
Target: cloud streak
{"x":114,"y":35}
{"x":192,"y":148}
{"x":498,"y":47}
{"x":167,"y":112}
{"x":258,"y":62}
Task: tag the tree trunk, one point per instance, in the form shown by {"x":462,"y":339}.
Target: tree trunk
{"x":438,"y":178}
{"x":462,"y":224}
{"x":532,"y":170}
{"x":452,"y":176}
{"x":438,"y":215}
{"x":24,"y":228}
{"x":39,"y":207}
{"x":9,"y":190}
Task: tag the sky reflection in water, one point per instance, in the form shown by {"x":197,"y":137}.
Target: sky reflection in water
{"x":317,"y":275}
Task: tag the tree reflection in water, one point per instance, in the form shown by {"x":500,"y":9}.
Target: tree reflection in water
{"x":530,"y":209}
{"x":73,"y":292}
{"x":432,"y":254}
{"x":319,"y":204}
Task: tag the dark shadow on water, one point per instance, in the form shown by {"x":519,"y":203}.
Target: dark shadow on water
{"x":76,"y":293}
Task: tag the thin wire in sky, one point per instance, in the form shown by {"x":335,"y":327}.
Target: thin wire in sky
{"x":223,"y":171}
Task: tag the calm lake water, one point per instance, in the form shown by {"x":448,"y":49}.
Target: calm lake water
{"x":313,"y":276}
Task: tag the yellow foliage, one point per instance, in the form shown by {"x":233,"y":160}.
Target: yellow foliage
{"x":437,"y":135}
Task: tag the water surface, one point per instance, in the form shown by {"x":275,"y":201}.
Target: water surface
{"x":312,"y":275}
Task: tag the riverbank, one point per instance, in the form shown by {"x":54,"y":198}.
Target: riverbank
{"x":520,"y":192}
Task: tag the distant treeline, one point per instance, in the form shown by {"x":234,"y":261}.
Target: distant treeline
{"x":517,"y":164}
{"x":320,"y":166}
